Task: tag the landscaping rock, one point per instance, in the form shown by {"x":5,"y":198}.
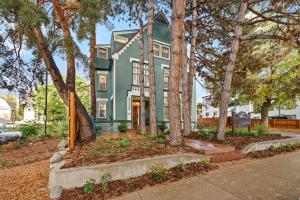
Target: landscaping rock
{"x":62,"y":145}
{"x":55,"y":192}
{"x":63,"y":152}
{"x":56,"y":157}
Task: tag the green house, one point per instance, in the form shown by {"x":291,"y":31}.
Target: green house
{"x":117,"y":76}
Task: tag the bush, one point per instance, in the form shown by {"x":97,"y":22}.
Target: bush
{"x":104,"y":180}
{"x":123,"y":142}
{"x":158,"y":173}
{"x":160,"y":138}
{"x":98,"y":129}
{"x":123,"y":127}
{"x":89,"y":186}
{"x":261,"y":129}
{"x":181,"y":165}
{"x":29,"y":130}
{"x":162,"y":127}
{"x":207,"y":134}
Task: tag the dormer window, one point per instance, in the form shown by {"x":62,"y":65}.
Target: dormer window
{"x":120,"y":39}
{"x":102,"y":53}
{"x":156,"y":49}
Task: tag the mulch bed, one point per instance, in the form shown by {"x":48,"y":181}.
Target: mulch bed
{"x":119,"y":187}
{"x":272,"y":151}
{"x":239,"y":142}
{"x":107,"y":150}
{"x":16,"y":154}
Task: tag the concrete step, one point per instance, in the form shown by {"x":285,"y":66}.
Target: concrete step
{"x":223,"y":157}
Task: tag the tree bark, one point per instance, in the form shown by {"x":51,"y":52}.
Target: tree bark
{"x":185,"y":92}
{"x":265,"y":112}
{"x":86,"y":127}
{"x":142,"y":93}
{"x":152,"y":89}
{"x":174,"y":81}
{"x":225,"y":95}
{"x":92,"y":70}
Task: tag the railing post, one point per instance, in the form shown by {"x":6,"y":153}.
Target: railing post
{"x":71,"y":101}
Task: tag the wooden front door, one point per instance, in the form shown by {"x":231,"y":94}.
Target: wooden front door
{"x":135,"y":113}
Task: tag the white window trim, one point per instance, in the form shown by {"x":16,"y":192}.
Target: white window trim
{"x":102,"y":100}
{"x":137,"y":60}
{"x":160,"y":50}
{"x":105,"y":82}
{"x":106,"y":52}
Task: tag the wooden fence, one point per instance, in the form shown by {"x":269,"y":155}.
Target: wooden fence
{"x":273,"y":123}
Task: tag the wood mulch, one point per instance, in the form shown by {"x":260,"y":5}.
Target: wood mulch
{"x":108,"y":150}
{"x":272,"y":151}
{"x":239,"y":142}
{"x":119,"y":187}
{"x":16,"y":154}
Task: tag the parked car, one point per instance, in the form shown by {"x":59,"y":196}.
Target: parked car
{"x":7,"y":136}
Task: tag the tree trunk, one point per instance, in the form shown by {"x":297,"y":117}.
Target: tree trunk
{"x":225,"y":95}
{"x":142,"y":93}
{"x":265,"y":112}
{"x":174,"y":81}
{"x":92,"y":70}
{"x":185,"y":92}
{"x":152,"y":92}
{"x":86,"y":127}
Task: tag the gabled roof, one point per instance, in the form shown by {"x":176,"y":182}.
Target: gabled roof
{"x":161,"y":17}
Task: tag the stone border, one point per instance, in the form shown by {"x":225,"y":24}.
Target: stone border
{"x":260,"y":146}
{"x":60,"y":179}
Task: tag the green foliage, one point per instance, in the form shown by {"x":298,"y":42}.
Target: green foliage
{"x":29,"y":130}
{"x":98,"y":129}
{"x":162,"y":127}
{"x":123,"y":127}
{"x":104,"y":180}
{"x":4,"y":164}
{"x":181,"y":165}
{"x":123,"y":142}
{"x":160,"y":138}
{"x":261,"y":129}
{"x":158,"y":173}
{"x":207,"y":134}
{"x":89,"y":186}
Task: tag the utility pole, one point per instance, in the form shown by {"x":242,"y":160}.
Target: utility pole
{"x":46,"y":105}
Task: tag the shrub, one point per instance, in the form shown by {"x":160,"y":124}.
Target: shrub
{"x":261,"y":129}
{"x":158,"y":173}
{"x":207,"y":134}
{"x":123,"y":127}
{"x":29,"y":130}
{"x":98,"y":129}
{"x":181,"y":165}
{"x":123,"y":142}
{"x":89,"y":186}
{"x":104,"y":180}
{"x":160,"y":138}
{"x":162,"y":127}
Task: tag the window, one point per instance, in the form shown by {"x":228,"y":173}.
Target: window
{"x":156,"y":49}
{"x":166,"y":78}
{"x":102,"y":109}
{"x":136,"y":74}
{"x":161,"y":51}
{"x":120,"y":39}
{"x":165,"y":52}
{"x":166,"y":108}
{"x":102,"y":53}
{"x":102,"y":82}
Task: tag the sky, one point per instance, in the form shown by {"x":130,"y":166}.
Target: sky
{"x":103,"y":36}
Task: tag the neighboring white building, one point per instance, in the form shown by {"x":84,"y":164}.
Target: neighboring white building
{"x":29,"y":113}
{"x":209,"y":111}
{"x":7,"y":111}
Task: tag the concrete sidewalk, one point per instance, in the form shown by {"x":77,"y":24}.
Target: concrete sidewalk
{"x":276,"y":178}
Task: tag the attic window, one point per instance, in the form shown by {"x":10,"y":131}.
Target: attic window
{"x":161,"y":51}
{"x":120,"y":39}
{"x":102,"y":53}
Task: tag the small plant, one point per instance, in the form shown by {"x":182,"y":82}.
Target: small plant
{"x":123,"y":142}
{"x":29,"y":161}
{"x":98,"y":129}
{"x":89,"y":186}
{"x":181,"y":165}
{"x":207,"y":134}
{"x":104,"y":180}
{"x":123,"y":127}
{"x":29,"y":130}
{"x":147,"y":134}
{"x":4,"y":164}
{"x":160,"y":138}
{"x":261,"y":129}
{"x":149,"y":145}
{"x":158,"y":173}
{"x":205,"y":162}
{"x":162,"y":127}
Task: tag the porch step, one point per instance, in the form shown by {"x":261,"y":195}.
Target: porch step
{"x":223,"y":157}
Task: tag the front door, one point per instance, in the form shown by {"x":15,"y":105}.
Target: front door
{"x":135,"y":113}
